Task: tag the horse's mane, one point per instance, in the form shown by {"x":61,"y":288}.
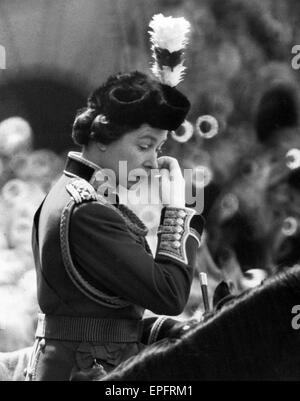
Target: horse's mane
{"x":251,"y":338}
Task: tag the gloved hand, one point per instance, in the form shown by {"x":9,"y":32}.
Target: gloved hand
{"x":179,"y":328}
{"x":170,"y":328}
{"x":172,"y":182}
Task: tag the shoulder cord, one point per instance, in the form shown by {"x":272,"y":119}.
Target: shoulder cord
{"x":85,"y":287}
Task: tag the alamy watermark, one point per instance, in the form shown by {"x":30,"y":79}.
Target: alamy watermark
{"x":2,"y":58}
{"x":151,"y":188}
{"x":296,"y":319}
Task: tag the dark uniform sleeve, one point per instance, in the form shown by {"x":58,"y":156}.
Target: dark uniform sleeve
{"x":104,"y":248}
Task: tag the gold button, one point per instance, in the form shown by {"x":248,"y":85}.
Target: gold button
{"x":179,"y":229}
{"x":179,"y":221}
{"x":176,"y":244}
{"x":181,"y":213}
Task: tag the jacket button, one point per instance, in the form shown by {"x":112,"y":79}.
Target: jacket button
{"x":181,"y":213}
{"x":176,"y":244}
{"x":179,"y":221}
{"x":178,"y":229}
{"x":42,"y":343}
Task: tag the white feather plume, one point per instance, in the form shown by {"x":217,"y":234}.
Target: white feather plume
{"x":169,"y":35}
{"x":169,"y":76}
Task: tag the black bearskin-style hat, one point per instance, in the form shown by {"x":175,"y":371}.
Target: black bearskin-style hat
{"x":126,"y":101}
{"x":134,"y":99}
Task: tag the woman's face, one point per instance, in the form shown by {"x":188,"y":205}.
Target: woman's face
{"x":139,"y":149}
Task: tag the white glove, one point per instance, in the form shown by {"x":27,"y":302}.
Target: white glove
{"x":172,"y":182}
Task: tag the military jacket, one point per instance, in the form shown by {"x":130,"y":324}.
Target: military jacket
{"x":92,"y":260}
{"x":101,"y":264}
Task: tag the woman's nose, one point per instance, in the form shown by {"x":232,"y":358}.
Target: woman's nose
{"x":151,"y":162}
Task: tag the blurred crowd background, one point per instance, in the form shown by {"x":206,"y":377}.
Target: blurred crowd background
{"x":239,"y":72}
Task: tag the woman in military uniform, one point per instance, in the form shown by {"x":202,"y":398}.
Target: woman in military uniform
{"x":95,"y":271}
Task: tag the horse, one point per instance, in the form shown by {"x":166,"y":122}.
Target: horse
{"x":255,"y":336}
{"x":252,"y":336}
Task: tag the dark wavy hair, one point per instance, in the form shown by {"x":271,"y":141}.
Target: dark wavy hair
{"x":124,"y":103}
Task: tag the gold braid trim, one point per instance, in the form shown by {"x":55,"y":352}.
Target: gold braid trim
{"x":86,"y":288}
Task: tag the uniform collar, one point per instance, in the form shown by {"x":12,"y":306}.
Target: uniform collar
{"x":79,"y":167}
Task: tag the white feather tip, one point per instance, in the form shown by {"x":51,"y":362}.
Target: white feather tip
{"x":168,"y":76}
{"x":169,"y":33}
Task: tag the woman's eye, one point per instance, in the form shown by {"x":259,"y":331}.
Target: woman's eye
{"x":144,"y":147}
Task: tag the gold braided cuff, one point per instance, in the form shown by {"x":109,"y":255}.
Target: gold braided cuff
{"x":174,"y":231}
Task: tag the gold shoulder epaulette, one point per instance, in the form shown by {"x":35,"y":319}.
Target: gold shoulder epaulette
{"x":81,"y":190}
